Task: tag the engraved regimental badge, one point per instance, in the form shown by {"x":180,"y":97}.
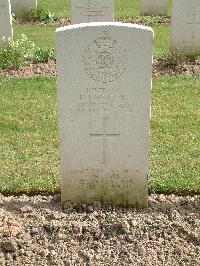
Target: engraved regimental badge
{"x":104,"y":59}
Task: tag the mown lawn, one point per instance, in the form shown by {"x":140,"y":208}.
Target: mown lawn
{"x":29,"y":147}
{"x":44,"y":37}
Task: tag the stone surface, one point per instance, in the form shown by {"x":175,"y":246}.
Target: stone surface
{"x":84,"y":11}
{"x":21,"y":7}
{"x":5,"y":21}
{"x":153,"y":7}
{"x":104,"y":88}
{"x":186,"y":26}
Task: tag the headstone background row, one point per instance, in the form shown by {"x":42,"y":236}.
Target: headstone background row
{"x":84,"y":11}
{"x":6,"y":30}
{"x":21,"y":7}
{"x":153,"y":7}
{"x":185,"y":26}
{"x":104,"y":88}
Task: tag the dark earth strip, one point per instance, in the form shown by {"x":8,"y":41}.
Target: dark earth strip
{"x":136,"y":20}
{"x":161,"y":67}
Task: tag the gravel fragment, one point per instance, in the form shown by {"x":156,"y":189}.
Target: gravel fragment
{"x":8,"y":246}
{"x":35,"y":231}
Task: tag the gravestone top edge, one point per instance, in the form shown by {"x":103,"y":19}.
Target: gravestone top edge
{"x":98,"y":24}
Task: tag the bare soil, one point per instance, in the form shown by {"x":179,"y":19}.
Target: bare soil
{"x":35,"y":231}
{"x":188,"y":67}
{"x":31,"y":70}
{"x":142,"y":20}
{"x":59,"y":22}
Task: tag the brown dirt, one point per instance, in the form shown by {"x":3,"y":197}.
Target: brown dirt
{"x":160,"y":68}
{"x":34,"y":231}
{"x":188,"y":67}
{"x":145,"y":21}
{"x":66,"y":21}
{"x":58,"y":22}
{"x":31,"y":70}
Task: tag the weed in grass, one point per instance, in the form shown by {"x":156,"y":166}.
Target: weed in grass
{"x":41,"y":14}
{"x":43,"y":35}
{"x":174,"y":59}
{"x":16,"y":53}
{"x":43,"y":56}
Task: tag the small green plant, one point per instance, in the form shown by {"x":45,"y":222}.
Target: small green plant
{"x":40,"y":14}
{"x":16,"y":53}
{"x":44,"y":56}
{"x":173,"y":59}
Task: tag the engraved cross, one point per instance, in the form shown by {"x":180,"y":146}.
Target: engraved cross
{"x":105,"y":136}
{"x":91,"y":13}
{"x":194,"y":23}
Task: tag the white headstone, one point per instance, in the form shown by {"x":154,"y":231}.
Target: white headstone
{"x":153,"y":7}
{"x":84,"y":11}
{"x":6,"y":31}
{"x":104,"y":89}
{"x":186,"y":26}
{"x":21,"y":7}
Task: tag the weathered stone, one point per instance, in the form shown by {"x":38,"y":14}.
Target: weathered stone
{"x":84,"y":11}
{"x":21,"y":7}
{"x":104,"y":89}
{"x":186,"y":26}
{"x":6,"y":30}
{"x":153,"y":7}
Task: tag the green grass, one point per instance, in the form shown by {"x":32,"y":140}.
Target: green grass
{"x":161,"y":40}
{"x":29,"y":156}
{"x":175,"y":132}
{"x":126,"y":8}
{"x":44,"y":36}
{"x":60,"y":7}
{"x":28,"y":129}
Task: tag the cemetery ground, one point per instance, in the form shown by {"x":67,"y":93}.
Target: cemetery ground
{"x":33,"y":228}
{"x":30,"y":159}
